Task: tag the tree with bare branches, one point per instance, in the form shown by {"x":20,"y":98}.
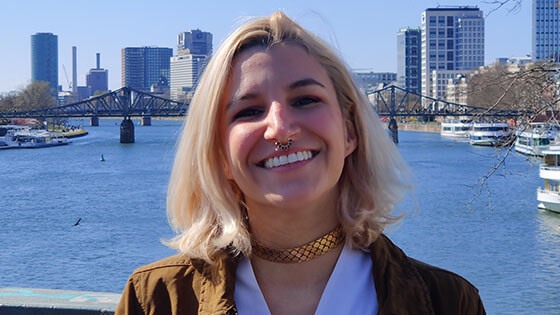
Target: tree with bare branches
{"x":36,"y":95}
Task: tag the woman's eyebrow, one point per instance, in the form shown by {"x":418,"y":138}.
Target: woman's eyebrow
{"x":237,"y":97}
{"x":305,"y":82}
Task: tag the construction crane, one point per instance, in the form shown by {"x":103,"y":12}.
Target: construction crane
{"x":67,"y":81}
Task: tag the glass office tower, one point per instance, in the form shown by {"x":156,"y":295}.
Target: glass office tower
{"x":408,"y":59}
{"x":546,"y":30}
{"x":44,"y":59}
{"x":144,"y":66}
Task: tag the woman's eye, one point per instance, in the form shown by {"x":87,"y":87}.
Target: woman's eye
{"x":247,"y":113}
{"x":306,"y":100}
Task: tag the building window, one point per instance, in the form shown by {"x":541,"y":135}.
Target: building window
{"x":450,"y":21}
{"x":449,"y":56}
{"x":432,"y":21}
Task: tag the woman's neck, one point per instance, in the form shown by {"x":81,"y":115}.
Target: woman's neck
{"x":295,"y":288}
{"x":280,"y":227}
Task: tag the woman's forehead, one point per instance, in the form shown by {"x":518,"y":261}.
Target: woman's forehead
{"x":281,"y":63}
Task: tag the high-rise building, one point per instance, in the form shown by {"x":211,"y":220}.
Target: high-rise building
{"x":185,"y":72}
{"x":369,"y":80}
{"x":144,"y":66}
{"x":193,"y":51}
{"x":546,"y":30}
{"x":97,"y":80}
{"x":44,"y":59}
{"x":408,"y":59}
{"x":452,"y":43}
{"x":195,"y":42}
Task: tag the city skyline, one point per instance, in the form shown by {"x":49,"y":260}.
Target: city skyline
{"x":364,"y":33}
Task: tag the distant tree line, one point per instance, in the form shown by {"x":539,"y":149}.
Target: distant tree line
{"x":36,"y":95}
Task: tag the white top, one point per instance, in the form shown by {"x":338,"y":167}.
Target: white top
{"x":350,"y":289}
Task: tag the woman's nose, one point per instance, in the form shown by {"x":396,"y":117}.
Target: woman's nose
{"x":281,"y":123}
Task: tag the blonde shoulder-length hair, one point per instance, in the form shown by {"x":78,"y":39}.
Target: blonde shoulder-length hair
{"x":206,"y":209}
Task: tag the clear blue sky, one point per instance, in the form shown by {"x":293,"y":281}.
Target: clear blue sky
{"x":364,"y":31}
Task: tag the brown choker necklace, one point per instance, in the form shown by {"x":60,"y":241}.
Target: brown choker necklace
{"x":299,"y":254}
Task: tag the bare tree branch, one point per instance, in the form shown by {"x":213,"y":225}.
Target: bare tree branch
{"x":514,"y":5}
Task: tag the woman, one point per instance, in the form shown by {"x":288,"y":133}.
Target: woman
{"x":283,"y":183}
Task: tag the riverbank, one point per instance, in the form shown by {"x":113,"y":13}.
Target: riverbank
{"x":75,"y":133}
{"x":420,"y":127}
{"x":46,"y":301}
{"x":423,"y":127}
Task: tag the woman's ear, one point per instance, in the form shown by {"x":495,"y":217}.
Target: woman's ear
{"x":351,"y":137}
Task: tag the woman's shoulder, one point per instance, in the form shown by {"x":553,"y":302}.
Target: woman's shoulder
{"x":442,"y":278}
{"x":176,"y":282}
{"x":172,"y":267}
{"x":449,"y":292}
{"x":181,"y":266}
{"x":440,"y":290}
{"x":176,"y":261}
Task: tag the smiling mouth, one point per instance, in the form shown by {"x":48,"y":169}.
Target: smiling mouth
{"x":288,"y":159}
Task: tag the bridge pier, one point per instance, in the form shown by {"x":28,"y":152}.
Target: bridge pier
{"x":393,"y":130}
{"x":94,"y":121}
{"x":146,"y":120}
{"x":127,"y":131}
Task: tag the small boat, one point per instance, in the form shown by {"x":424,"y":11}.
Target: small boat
{"x":548,"y":196}
{"x":489,"y":134}
{"x":536,"y":138}
{"x":31,"y":139}
{"x":456,"y":129}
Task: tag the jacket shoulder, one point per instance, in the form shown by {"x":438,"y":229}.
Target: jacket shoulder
{"x":160,"y":287}
{"x":172,"y":263}
{"x":449,"y":292}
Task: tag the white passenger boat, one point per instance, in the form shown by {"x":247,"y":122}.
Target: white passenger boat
{"x":548,"y":196}
{"x":536,"y":138}
{"x":6,"y":129}
{"x":456,"y":129}
{"x":489,"y":134}
{"x":30,"y":139}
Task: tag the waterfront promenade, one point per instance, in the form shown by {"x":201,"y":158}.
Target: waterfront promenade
{"x":23,"y":301}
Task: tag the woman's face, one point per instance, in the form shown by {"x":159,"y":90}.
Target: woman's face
{"x":279,"y":94}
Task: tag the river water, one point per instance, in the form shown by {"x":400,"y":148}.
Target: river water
{"x":490,"y":231}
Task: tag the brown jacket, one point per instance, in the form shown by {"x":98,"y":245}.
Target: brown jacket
{"x":404,"y":285}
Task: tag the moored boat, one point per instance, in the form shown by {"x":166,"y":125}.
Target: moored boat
{"x":31,"y":139}
{"x":536,"y":138}
{"x":456,"y":129}
{"x":489,"y":134}
{"x":548,"y":196}
{"x":7,"y":130}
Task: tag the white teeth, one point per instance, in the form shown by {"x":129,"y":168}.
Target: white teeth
{"x":292,"y":158}
{"x":288,"y":159}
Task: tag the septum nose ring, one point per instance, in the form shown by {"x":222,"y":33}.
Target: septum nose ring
{"x":283,"y":146}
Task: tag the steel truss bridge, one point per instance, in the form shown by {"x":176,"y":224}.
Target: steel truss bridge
{"x":394,"y":101}
{"x":391,"y":101}
{"x":124,"y":102}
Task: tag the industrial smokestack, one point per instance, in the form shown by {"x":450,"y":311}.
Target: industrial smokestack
{"x":74,"y":70}
{"x":98,"y":61}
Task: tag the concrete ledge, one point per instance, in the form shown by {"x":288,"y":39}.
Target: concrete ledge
{"x":45,"y":301}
